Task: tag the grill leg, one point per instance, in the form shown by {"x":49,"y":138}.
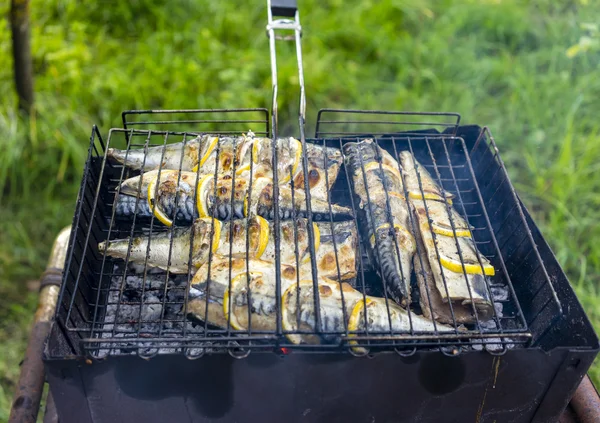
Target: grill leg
{"x":26,"y":403}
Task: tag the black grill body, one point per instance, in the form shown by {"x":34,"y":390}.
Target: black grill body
{"x":544,"y":354}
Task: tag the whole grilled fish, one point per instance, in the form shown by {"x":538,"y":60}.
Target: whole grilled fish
{"x":246,"y":154}
{"x":174,"y":197}
{"x":458,"y":277}
{"x":244,"y":297}
{"x":378,"y":185}
{"x":335,"y":250}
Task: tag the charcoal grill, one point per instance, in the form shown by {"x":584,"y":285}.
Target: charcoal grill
{"x":522,"y":365}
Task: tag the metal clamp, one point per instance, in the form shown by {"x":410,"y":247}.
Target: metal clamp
{"x":285,"y":8}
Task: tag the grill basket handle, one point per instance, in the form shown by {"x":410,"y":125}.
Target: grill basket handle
{"x":279,"y":29}
{"x":286,"y":8}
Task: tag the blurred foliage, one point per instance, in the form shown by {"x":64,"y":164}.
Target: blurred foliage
{"x":508,"y":64}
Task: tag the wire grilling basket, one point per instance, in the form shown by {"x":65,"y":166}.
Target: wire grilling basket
{"x":128,"y":305}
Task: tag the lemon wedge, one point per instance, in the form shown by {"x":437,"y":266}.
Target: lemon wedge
{"x":201,"y":195}
{"x":263,"y":238}
{"x":354,"y":322}
{"x":428,"y":196}
{"x":216,"y":239}
{"x":317,"y":242}
{"x":448,"y":232}
{"x":255,"y":150}
{"x":163,"y":218}
{"x":237,"y":280}
{"x":473,"y":269}
{"x":288,"y":175}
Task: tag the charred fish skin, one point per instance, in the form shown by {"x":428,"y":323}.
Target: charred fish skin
{"x":458,"y":277}
{"x":294,"y":205}
{"x":209,"y":153}
{"x":451,"y":262}
{"x":432,"y":304}
{"x":378,"y":185}
{"x":228,"y":239}
{"x":126,"y":206}
{"x":247,"y":300}
{"x":323,"y":168}
{"x":184,"y":197}
{"x":230,"y":288}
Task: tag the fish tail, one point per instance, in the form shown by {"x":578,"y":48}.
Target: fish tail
{"x":131,"y":158}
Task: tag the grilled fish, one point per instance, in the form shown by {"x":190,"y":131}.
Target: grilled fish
{"x":206,"y":154}
{"x":249,"y":302}
{"x":174,"y":197}
{"x":419,"y":182}
{"x":459,"y":277}
{"x":378,"y":185}
{"x":432,"y":304}
{"x":212,"y":238}
{"x":170,"y":156}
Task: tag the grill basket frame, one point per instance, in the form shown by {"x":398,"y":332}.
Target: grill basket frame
{"x":88,"y":275}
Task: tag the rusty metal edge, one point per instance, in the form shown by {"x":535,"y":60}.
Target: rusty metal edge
{"x":28,"y":394}
{"x":586,"y":402}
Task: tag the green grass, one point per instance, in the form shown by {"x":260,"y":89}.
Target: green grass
{"x":501,"y":63}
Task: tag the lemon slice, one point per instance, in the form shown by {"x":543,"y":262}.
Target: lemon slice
{"x":288,"y":175}
{"x":317,"y":242}
{"x":209,"y":150}
{"x":163,"y":218}
{"x":201,"y":195}
{"x":354,"y":322}
{"x":387,"y":225}
{"x":241,"y":278}
{"x":473,"y":269}
{"x":448,"y":232}
{"x":255,"y":150}
{"x":288,"y":320}
{"x":263,"y":238}
{"x":428,"y":196}
{"x":392,"y":170}
{"x":216,"y":239}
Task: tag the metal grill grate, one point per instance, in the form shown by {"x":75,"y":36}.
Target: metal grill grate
{"x":113,"y":306}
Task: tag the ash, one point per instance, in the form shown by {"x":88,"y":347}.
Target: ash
{"x":500,"y":296}
{"x":138,"y":309}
